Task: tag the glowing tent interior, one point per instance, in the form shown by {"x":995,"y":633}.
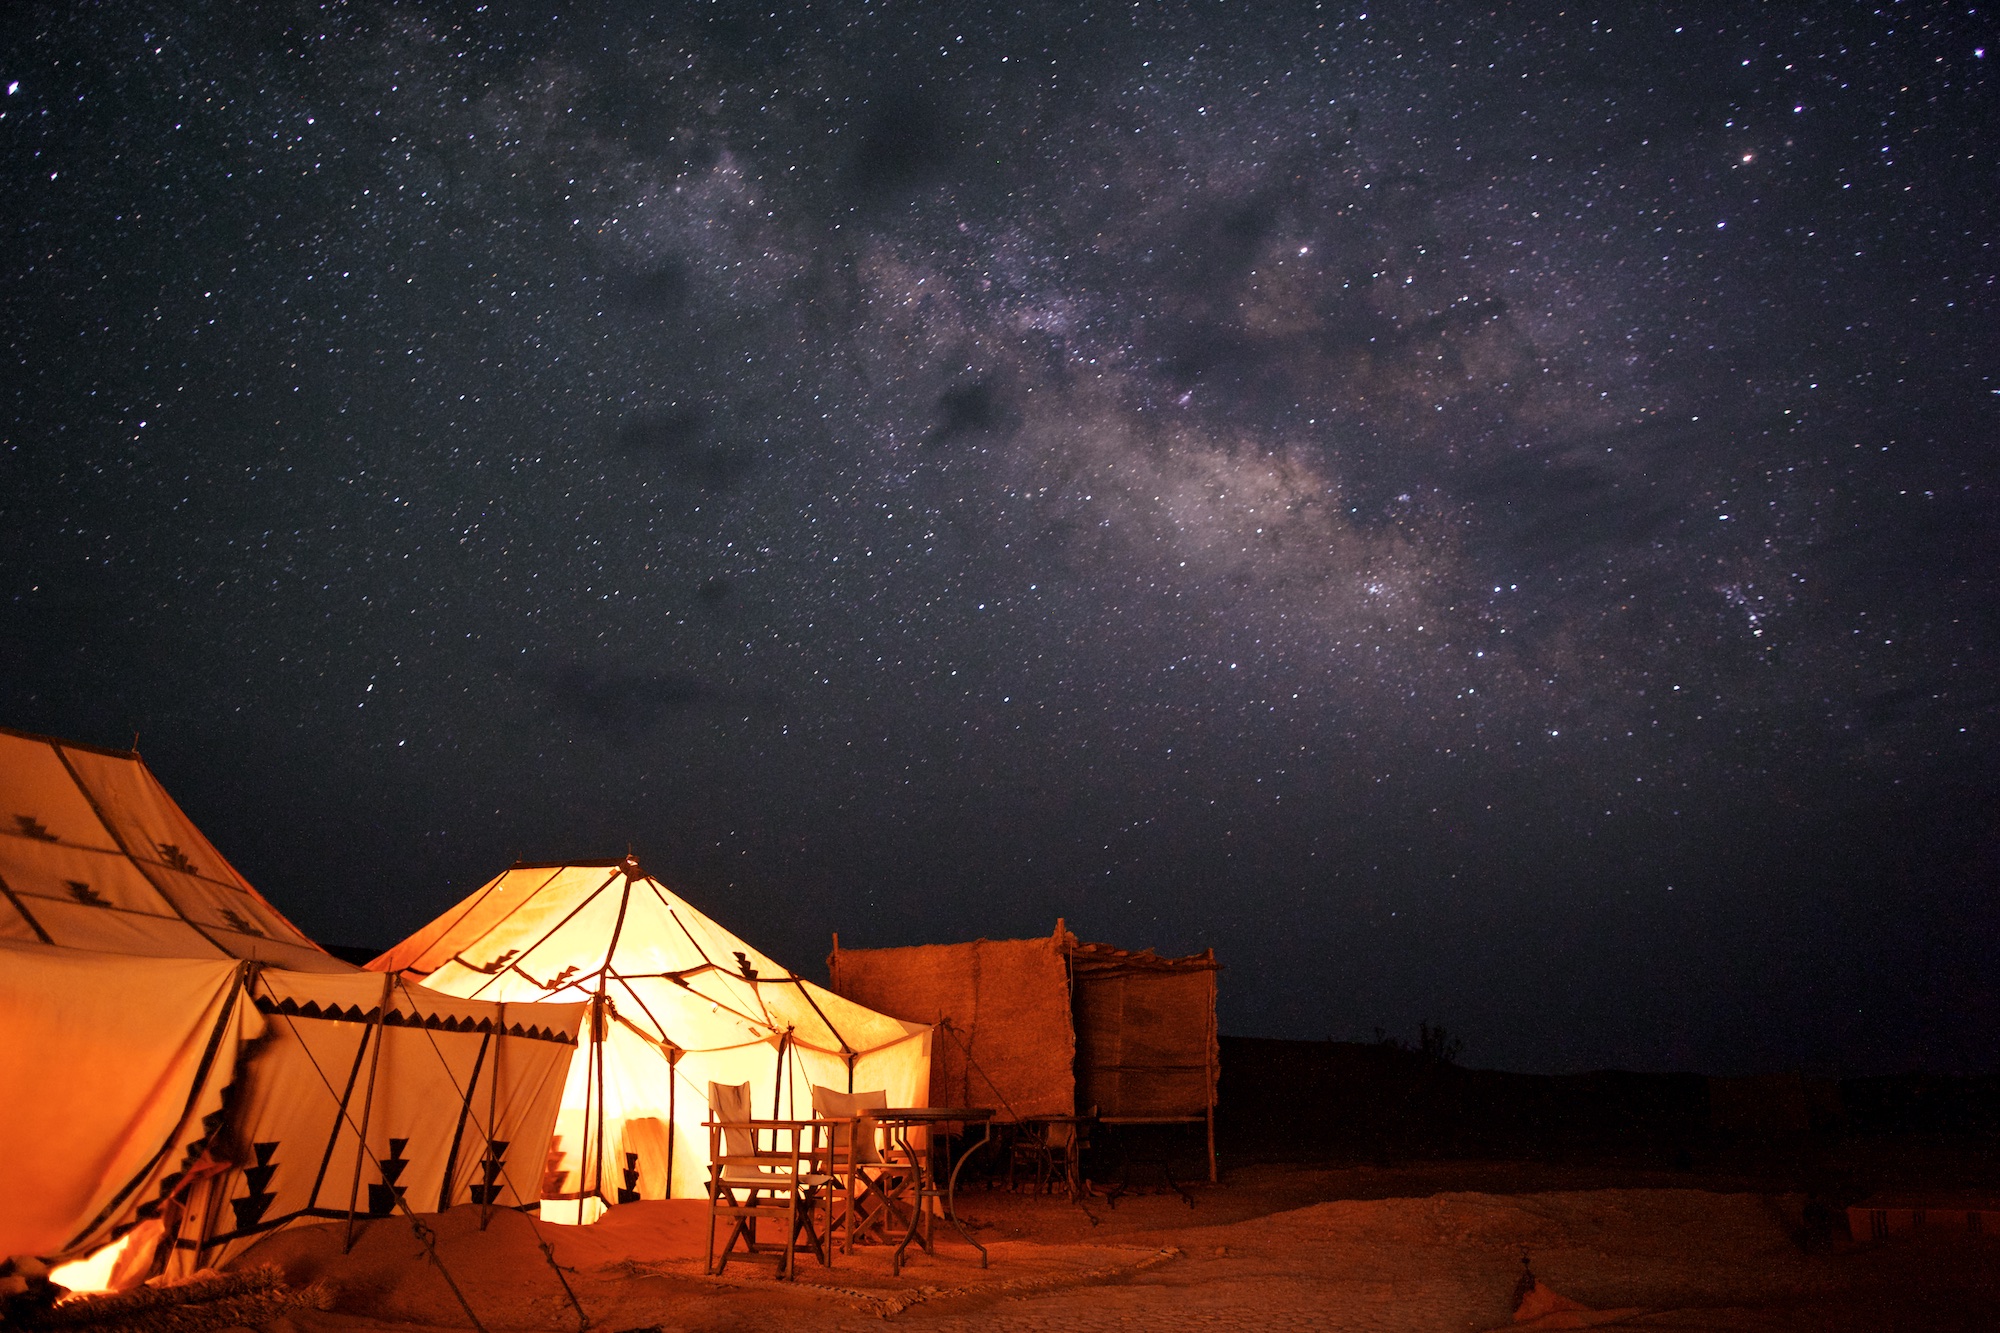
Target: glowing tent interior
{"x":181,"y":1066}
{"x":676,"y":1001}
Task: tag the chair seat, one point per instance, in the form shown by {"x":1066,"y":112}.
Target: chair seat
{"x":753,"y":1177}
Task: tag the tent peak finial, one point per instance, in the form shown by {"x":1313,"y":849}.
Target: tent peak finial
{"x":630,"y":865}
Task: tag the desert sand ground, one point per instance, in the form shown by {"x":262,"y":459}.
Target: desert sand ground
{"x":1271,"y":1247}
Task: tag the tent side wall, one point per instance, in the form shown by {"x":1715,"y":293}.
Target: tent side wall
{"x":116,"y":1070}
{"x":456,"y":1099}
{"x":1002,"y":1009}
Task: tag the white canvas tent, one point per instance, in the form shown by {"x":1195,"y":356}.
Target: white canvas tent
{"x":369,"y":1099}
{"x":96,"y":855}
{"x":114,"y":1071}
{"x":676,"y":1001}
{"x":179,"y":1059}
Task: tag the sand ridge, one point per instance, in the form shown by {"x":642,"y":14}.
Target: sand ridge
{"x":1644,"y":1258}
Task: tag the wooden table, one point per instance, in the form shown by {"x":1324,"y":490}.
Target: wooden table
{"x":899,"y":1121}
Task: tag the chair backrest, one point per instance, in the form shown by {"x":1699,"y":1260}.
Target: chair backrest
{"x":831,"y":1105}
{"x":730,"y":1103}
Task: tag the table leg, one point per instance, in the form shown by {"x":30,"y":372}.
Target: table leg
{"x":919,"y":1230}
{"x":951,"y":1192}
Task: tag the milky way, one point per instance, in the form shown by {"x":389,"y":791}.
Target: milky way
{"x":1479,"y":517}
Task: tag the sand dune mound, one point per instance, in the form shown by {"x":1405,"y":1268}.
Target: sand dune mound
{"x":1653,"y":1258}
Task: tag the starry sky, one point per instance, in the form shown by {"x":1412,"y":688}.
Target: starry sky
{"x":1480,"y":514}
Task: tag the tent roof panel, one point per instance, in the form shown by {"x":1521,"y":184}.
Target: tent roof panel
{"x":97,"y":852}
{"x":542,"y":930}
{"x":88,"y":875}
{"x":39,"y":799}
{"x":73,"y":925}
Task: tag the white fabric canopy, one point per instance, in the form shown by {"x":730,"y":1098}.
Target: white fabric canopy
{"x":677,"y":1002}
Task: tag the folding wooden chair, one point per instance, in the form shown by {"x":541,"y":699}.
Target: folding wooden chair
{"x":871,"y":1183}
{"x":765,"y":1170}
{"x":1050,"y":1147}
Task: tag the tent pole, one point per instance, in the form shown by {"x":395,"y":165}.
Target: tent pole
{"x":673,"y":1082}
{"x":778,"y":1090}
{"x":1210,"y":1057}
{"x":367,"y":1107}
{"x":589,"y":1071}
{"x":493,"y":1113}
{"x":603,"y":1127}
{"x":600,"y":1029}
{"x":593,"y":1076}
{"x":451,"y":1177}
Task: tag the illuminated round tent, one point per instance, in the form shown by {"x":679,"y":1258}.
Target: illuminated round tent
{"x":676,"y":1002}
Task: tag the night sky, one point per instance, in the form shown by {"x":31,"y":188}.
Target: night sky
{"x":1481,"y":515}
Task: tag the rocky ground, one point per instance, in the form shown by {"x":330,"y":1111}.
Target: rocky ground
{"x":1273,"y":1246}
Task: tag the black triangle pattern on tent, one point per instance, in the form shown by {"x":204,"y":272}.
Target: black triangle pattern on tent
{"x":251,"y":1207}
{"x":239,"y":923}
{"x":197,"y":1148}
{"x":86,"y":895}
{"x":553,"y":1174}
{"x":177,"y":858}
{"x":629,"y":1192}
{"x":397,"y":1018}
{"x":30,"y":827}
{"x":491,"y":1166}
{"x":384,"y":1198}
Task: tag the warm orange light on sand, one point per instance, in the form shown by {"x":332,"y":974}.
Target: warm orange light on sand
{"x":572,"y":1212}
{"x":93,"y":1271}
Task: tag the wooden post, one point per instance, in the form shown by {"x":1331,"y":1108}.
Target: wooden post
{"x":1210,"y":1058}
{"x":493,"y":1113}
{"x":367,"y":1106}
{"x":673,"y":1080}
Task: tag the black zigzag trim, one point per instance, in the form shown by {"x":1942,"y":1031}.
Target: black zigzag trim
{"x":396,"y":1018}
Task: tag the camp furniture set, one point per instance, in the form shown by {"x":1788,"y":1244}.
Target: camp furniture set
{"x":863,"y":1172}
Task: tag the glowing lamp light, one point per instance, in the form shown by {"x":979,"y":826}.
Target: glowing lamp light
{"x":572,"y":1212}
{"x":92,"y":1273}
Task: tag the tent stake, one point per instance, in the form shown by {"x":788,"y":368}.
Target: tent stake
{"x":429,"y":1239}
{"x":548,"y":1253}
